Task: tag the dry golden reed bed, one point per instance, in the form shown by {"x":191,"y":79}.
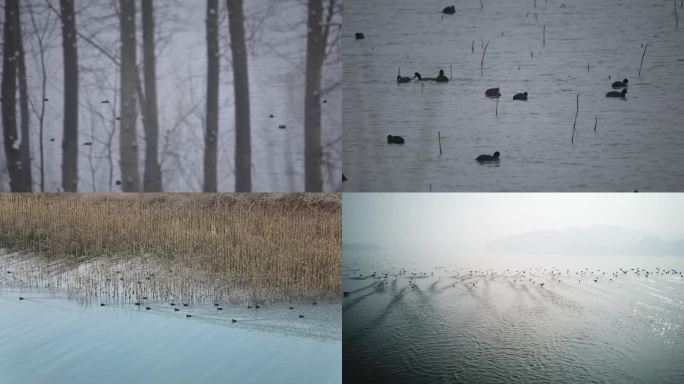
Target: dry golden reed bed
{"x":266,"y":246}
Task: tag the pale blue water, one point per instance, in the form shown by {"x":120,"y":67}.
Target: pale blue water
{"x":46,"y":339}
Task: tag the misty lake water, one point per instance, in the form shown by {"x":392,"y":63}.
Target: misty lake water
{"x":445,"y":325}
{"x":637,"y":144}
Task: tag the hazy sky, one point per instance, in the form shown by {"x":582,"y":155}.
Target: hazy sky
{"x":469,"y":219}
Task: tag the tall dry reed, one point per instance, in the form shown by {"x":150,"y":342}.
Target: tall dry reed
{"x":273,"y":246}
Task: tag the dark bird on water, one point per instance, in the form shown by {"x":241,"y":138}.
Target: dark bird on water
{"x":450,"y":10}
{"x":186,"y":316}
{"x":185,"y":305}
{"x":441,"y":78}
{"x":359,"y":36}
{"x":291,"y":307}
{"x":220,"y":309}
{"x":104,"y":101}
{"x":176,"y":309}
{"x":346,"y":294}
{"x":216,"y":305}
{"x":234,"y":321}
{"x":314,"y":303}
{"x":617,"y":94}
{"x":403,"y":79}
{"x":102,"y":305}
{"x":395,"y":139}
{"x":493,"y":92}
{"x":620,"y":84}
{"x":147,"y":308}
{"x":488,"y":158}
{"x":138,"y":304}
{"x":520,"y":96}
{"x":257,"y":306}
{"x":344,"y":178}
{"x":301,"y":316}
{"x":118,"y":182}
{"x":282,"y":126}
{"x":88,"y":143}
{"x":21,"y":298}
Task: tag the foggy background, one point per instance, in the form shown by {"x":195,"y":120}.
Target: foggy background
{"x":511,"y":227}
{"x":275,"y":34}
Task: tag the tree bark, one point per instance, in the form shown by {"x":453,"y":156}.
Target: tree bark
{"x":243,"y":150}
{"x":315,"y":51}
{"x":25,"y":146}
{"x":152,"y":179}
{"x":128,"y":145}
{"x":9,"y":97}
{"x":213,"y":66}
{"x":70,"y":139}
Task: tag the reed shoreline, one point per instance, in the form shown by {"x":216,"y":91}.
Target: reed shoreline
{"x":192,"y":247}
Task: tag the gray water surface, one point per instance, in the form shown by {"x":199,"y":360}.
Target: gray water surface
{"x":49,"y":339}
{"x":637,"y":144}
{"x":447,"y":324}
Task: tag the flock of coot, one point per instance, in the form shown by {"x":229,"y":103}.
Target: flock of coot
{"x":491,"y":93}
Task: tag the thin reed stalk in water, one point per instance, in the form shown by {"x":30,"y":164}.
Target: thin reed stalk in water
{"x":483,"y":55}
{"x":496,"y":111}
{"x":572,"y":140}
{"x":439,"y":139}
{"x":676,"y":15}
{"x":472,"y":47}
{"x":642,"y":59}
{"x":481,"y":5}
{"x":596,"y":122}
{"x":544,"y":37}
{"x":450,"y":66}
{"x":268,"y":246}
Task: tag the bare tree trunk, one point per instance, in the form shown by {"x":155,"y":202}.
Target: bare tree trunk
{"x":152,"y":180}
{"x":43,"y":72}
{"x":243,"y":149}
{"x":9,"y":97}
{"x":213,"y":66}
{"x":25,"y":146}
{"x":315,"y":53}
{"x":70,"y":140}
{"x":128,"y":144}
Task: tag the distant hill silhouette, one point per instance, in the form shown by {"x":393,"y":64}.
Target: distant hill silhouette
{"x":595,"y":240}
